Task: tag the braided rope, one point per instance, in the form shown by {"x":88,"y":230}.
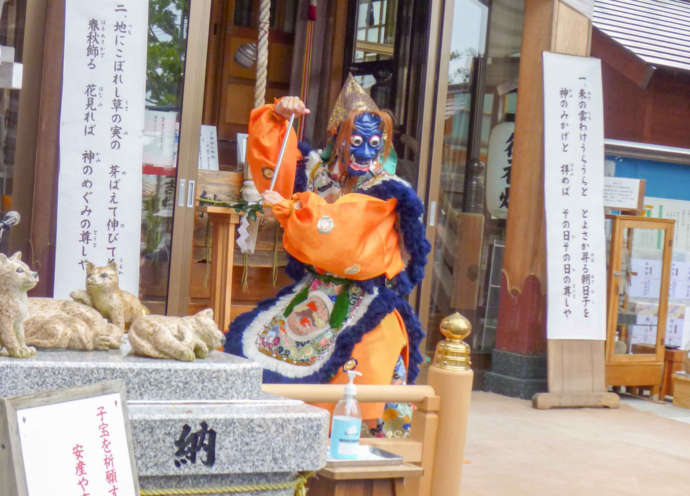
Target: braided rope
{"x":299,"y":484}
{"x":262,"y":53}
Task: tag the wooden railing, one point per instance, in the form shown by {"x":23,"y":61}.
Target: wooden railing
{"x":439,"y":423}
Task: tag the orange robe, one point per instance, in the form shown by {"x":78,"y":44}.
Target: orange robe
{"x":353,"y":238}
{"x":361,"y":242}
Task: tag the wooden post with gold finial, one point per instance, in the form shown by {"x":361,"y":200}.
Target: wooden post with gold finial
{"x":451,"y":377}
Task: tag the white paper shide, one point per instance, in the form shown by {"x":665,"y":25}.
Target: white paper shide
{"x":101,"y":130}
{"x":573,"y":194}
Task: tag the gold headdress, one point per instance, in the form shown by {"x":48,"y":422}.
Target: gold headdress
{"x":352,"y":97}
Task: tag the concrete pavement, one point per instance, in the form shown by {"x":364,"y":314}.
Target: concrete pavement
{"x":514,"y":449}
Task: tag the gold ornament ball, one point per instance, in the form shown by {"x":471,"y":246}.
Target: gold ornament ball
{"x":456,"y":327}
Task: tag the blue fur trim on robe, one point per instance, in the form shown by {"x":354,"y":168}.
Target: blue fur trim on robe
{"x":301,"y":172}
{"x":411,"y":211}
{"x":348,"y":337}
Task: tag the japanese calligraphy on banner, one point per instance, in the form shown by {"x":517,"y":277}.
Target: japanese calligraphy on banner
{"x":101,"y":133}
{"x":574,"y":197}
{"x":499,"y":165}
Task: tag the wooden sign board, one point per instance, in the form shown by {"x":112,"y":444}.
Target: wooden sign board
{"x":74,"y":441}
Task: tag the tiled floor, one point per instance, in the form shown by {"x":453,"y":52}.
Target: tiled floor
{"x":665,"y":409}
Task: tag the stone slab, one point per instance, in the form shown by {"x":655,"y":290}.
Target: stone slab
{"x":518,"y":365}
{"x":259,"y":436}
{"x":515,"y":387}
{"x":219,"y":376}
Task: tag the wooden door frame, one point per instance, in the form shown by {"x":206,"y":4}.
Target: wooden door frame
{"x":37,"y":148}
{"x":431,"y":142}
{"x":177,"y":302}
{"x":27,"y":124}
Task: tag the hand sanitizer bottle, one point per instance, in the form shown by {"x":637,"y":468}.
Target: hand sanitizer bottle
{"x":347,"y":423}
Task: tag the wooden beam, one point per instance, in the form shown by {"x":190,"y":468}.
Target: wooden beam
{"x":366,"y":393}
{"x":188,"y":158}
{"x":214,"y":63}
{"x":431,"y":140}
{"x":27,"y":126}
{"x":621,"y":59}
{"x":385,"y":49}
{"x":575,"y":367}
{"x":44,"y":213}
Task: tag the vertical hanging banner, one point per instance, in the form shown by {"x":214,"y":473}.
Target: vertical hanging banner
{"x":574,"y":197}
{"x":101,"y":140}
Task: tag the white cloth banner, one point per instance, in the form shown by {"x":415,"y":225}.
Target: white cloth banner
{"x":101,"y":131}
{"x":574,"y":197}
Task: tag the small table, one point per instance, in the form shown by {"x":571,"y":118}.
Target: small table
{"x":225,"y":222}
{"x":383,"y":480}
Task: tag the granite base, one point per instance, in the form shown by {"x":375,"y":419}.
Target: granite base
{"x":255,"y":436}
{"x":220,"y":376}
{"x":194,"y":424}
{"x":516,"y":374}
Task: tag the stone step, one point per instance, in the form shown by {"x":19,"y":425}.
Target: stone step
{"x":218,"y":443}
{"x":220,"y":376}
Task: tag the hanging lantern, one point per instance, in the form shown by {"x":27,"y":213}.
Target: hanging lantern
{"x":498,"y":168}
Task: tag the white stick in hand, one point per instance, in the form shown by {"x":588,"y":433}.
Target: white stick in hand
{"x":282,"y":152}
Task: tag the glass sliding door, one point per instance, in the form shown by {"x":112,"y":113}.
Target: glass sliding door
{"x":174,"y":96}
{"x":454,"y":199}
{"x":469,"y":181}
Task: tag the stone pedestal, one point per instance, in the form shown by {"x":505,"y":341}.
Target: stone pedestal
{"x":516,"y":374}
{"x":242,"y":436}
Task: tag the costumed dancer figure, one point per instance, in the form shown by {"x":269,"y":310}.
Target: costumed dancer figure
{"x":357,"y":247}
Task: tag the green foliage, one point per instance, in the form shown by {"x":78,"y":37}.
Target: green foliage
{"x":167,"y":41}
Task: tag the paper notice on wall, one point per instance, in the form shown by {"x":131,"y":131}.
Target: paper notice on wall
{"x":573,"y":195}
{"x":208,"y":148}
{"x":677,"y":210}
{"x":645,"y":278}
{"x":622,"y":193}
{"x":101,"y":127}
{"x":160,"y":138}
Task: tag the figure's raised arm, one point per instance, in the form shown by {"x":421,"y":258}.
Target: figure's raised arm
{"x":289,"y":105}
{"x":267,"y":128}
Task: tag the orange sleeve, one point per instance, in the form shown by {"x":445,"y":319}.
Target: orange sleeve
{"x":355,"y":237}
{"x":266,"y":134}
{"x":282,"y":210}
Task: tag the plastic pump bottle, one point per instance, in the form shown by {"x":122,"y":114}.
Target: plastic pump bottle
{"x":347,"y":423}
